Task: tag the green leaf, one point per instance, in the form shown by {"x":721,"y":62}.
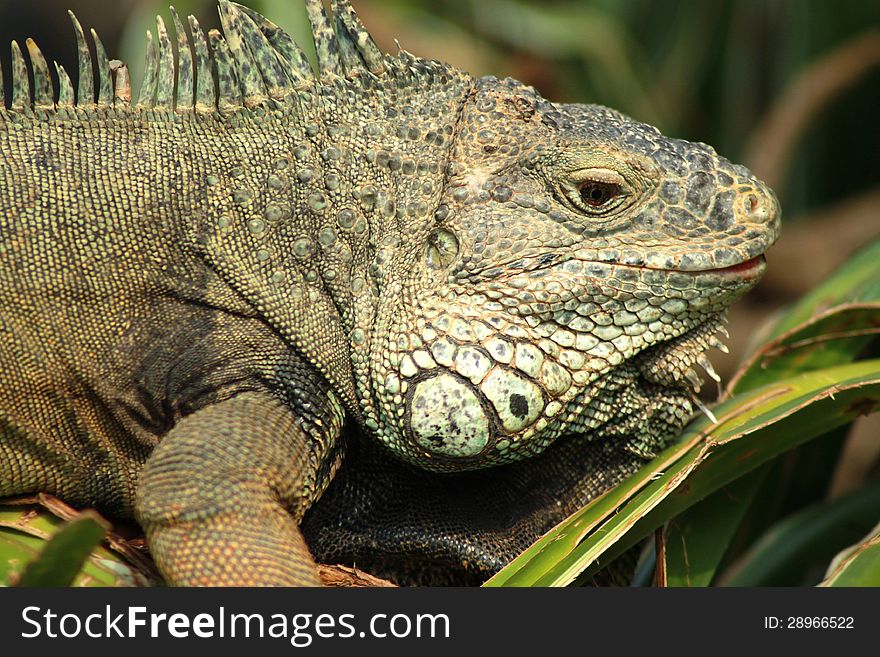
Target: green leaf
{"x":801,"y":476}
{"x":64,"y":555}
{"x":25,"y":529}
{"x":698,"y":538}
{"x":858,"y":565}
{"x":808,"y":538}
{"x":753,"y":428}
{"x":838,"y":335}
{"x":842,"y":319}
{"x":856,"y":282}
{"x":797,"y":478}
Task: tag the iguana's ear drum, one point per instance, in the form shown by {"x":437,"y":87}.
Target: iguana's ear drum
{"x":442,"y":249}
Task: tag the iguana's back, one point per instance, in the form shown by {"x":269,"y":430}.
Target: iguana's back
{"x":111,"y":321}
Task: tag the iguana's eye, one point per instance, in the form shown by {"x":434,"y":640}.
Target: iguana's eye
{"x":596,"y":194}
{"x":595,"y":191}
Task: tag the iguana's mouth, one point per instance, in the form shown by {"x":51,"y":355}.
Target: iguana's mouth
{"x":748,"y":269}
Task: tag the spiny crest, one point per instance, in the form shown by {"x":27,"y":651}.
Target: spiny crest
{"x":251,"y":61}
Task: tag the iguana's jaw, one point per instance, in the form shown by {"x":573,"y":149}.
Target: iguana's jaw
{"x":495,"y":369}
{"x":479,"y":386}
{"x":490,"y":373}
{"x":672,"y":362}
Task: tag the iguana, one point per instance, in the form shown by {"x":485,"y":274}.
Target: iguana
{"x":199,"y":287}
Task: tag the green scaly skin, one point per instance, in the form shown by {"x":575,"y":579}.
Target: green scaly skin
{"x":197,"y":289}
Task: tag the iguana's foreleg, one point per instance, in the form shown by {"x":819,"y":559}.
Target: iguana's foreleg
{"x":221,"y":497}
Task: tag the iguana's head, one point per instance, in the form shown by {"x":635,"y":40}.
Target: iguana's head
{"x":581,"y":264}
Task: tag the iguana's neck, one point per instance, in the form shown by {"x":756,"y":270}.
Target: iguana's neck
{"x":318,"y":208}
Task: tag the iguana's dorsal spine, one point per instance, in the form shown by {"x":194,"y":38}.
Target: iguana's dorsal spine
{"x":164,"y":94}
{"x":254,"y":60}
{"x":185,"y":73}
{"x":105,"y":72}
{"x":66,"y":97}
{"x":85,"y":91}
{"x":19,"y":80}
{"x":326,"y":45}
{"x":358,"y":48}
{"x":42,"y":81}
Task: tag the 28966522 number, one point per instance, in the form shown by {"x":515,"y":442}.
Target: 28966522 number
{"x":820,"y":622}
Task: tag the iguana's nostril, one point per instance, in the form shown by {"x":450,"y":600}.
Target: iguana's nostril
{"x":760,"y":208}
